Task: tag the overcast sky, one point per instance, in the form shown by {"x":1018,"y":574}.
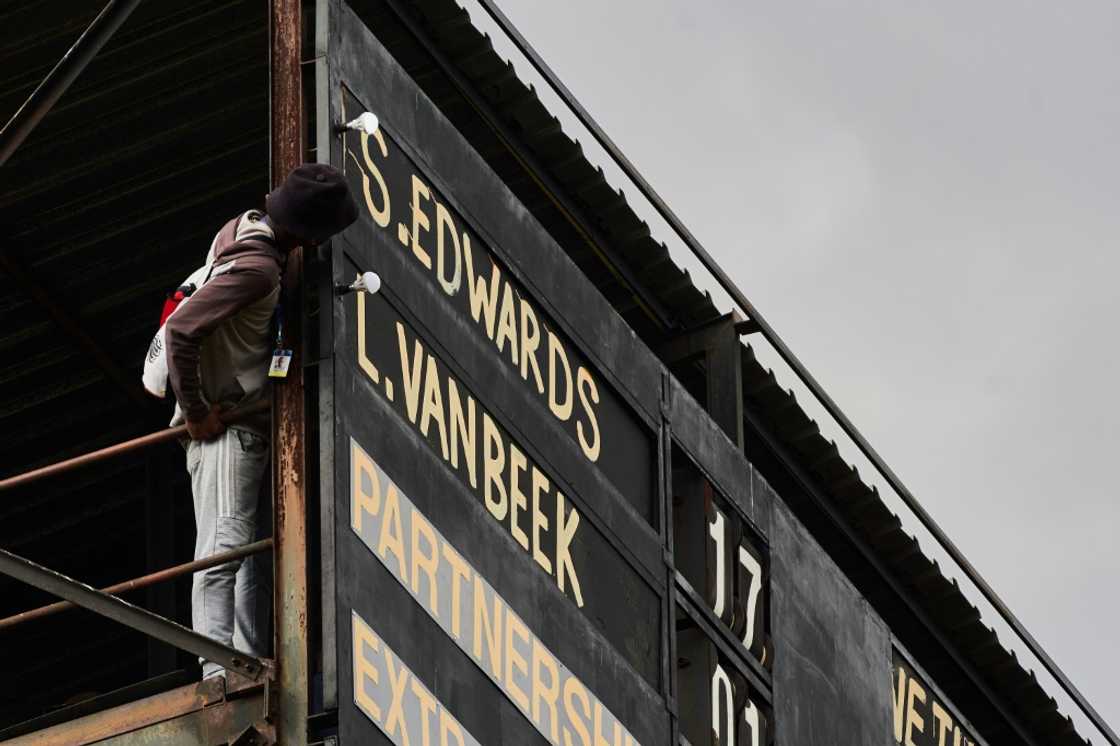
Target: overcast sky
{"x":922,"y":199}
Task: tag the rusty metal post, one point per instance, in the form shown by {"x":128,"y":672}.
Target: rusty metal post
{"x":288,"y":421}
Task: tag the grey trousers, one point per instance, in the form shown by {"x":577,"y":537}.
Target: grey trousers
{"x":231,"y":603}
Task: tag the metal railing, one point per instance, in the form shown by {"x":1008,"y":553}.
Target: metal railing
{"x":105,"y":601}
{"x":787,"y":355}
{"x":285,"y":151}
{"x":144,"y":581}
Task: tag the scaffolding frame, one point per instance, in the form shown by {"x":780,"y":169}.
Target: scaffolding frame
{"x":287,"y":674}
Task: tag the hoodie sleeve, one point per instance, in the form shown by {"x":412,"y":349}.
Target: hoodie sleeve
{"x":219,"y":299}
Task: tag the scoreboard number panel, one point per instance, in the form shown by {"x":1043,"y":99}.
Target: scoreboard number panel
{"x":717,"y":705}
{"x":750,"y":617}
{"x":716,"y":552}
{"x":720,"y":557}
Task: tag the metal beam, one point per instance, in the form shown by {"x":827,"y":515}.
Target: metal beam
{"x":64,"y":73}
{"x":718,"y":341}
{"x":145,"y":581}
{"x":125,"y":613}
{"x":210,"y":711}
{"x":798,"y":368}
{"x":724,"y":369}
{"x":288,"y":421}
{"x":69,"y":324}
{"x":698,"y":339}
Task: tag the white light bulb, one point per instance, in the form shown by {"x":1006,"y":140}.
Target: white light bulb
{"x":366,"y":122}
{"x":369,"y":282}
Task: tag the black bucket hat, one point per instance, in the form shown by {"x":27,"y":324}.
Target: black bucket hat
{"x":313,"y":203}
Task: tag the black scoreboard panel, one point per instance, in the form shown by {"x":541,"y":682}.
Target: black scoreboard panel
{"x":423,"y":566}
{"x":420,"y":223}
{"x":498,"y":554}
{"x":535,"y":534}
{"x":503,"y":471}
{"x":502,"y":462}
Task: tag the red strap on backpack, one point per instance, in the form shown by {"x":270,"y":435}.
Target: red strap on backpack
{"x":172,"y":302}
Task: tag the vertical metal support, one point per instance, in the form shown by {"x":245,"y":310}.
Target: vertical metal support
{"x":325,"y":145}
{"x":718,"y":341}
{"x":725,"y":380}
{"x":288,"y":420}
{"x":669,"y":609}
{"x":159,"y":519}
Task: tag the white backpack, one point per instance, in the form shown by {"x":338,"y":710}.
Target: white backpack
{"x":155,"y":363}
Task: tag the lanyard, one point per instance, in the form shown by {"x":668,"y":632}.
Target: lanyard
{"x":281,"y":358}
{"x":278,"y":320}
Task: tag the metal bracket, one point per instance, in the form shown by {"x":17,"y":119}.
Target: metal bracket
{"x":250,"y":737}
{"x":269,"y":708}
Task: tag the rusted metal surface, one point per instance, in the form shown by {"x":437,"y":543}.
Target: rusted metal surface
{"x":128,"y":717}
{"x":289,"y":471}
{"x":209,"y":712}
{"x":143,"y":582}
{"x":129,"y":615}
{"x":128,"y":446}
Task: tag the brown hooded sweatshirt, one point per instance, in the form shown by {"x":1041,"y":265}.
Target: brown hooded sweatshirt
{"x":220,"y":342}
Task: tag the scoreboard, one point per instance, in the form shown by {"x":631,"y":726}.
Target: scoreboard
{"x":506,"y":486}
{"x":532,"y":532}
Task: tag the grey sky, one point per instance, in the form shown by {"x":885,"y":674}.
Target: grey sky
{"x":922,"y":199}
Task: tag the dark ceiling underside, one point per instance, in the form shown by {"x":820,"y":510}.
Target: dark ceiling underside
{"x":114,"y":198}
{"x":111,"y":201}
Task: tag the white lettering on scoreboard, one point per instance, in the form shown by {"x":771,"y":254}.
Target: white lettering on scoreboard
{"x":472,"y":613}
{"x":718,"y":555}
{"x":727,"y":728}
{"x":735,"y":582}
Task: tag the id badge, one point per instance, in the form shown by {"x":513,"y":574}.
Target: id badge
{"x":281,"y":359}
